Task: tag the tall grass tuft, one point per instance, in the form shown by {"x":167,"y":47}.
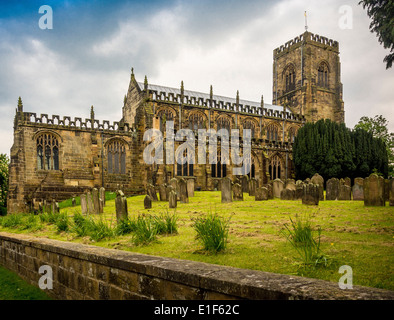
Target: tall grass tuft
{"x":99,"y":229}
{"x":212,"y":231}
{"x":305,"y":241}
{"x":125,"y":226}
{"x":81,"y":225}
{"x":12,"y":221}
{"x":145,"y":231}
{"x":62,"y":222}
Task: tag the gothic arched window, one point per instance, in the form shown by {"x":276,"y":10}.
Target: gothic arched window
{"x":219,"y":169}
{"x":116,"y":156}
{"x":272,"y":132}
{"x":249,"y":124}
{"x":322,"y":75}
{"x":290,"y":78}
{"x":165,"y":115}
{"x":47,"y":152}
{"x":196,"y":121}
{"x":224,"y":123}
{"x":274,"y":167}
{"x":250,"y":169}
{"x":292,"y":134}
{"x":185,"y":169}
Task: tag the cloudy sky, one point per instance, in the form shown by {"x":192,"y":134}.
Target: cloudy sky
{"x":85,"y":59}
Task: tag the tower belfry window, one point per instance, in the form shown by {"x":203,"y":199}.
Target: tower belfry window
{"x":322,"y":75}
{"x":290,"y":78}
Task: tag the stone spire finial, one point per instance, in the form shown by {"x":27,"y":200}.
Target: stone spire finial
{"x":132,"y":72}
{"x":91,"y":112}
{"x":237,"y":99}
{"x":262,"y":101}
{"x":20,"y":105}
{"x":211,"y":92}
{"x":146,"y":83}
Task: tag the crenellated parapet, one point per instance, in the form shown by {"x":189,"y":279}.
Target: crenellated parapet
{"x":56,"y":121}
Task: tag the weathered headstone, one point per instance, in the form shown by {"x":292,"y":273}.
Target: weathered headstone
{"x":311,"y":194}
{"x":121,"y":206}
{"x":287,"y":194}
{"x":174,"y":183}
{"x":147,"y":202}
{"x":151,"y":191}
{"x":245,"y":183}
{"x":386,"y":190}
{"x":318,"y":179}
{"x":345,"y":192}
{"x":226,"y":190}
{"x":53,"y":206}
{"x":237,"y":192}
{"x":252,"y":186}
{"x":299,"y":190}
{"x":374,"y":191}
{"x":290,"y":184}
{"x":102,"y":195}
{"x":261,"y":194}
{"x":172,"y":199}
{"x":332,"y":189}
{"x":163,"y":192}
{"x":84,"y":204}
{"x":391,"y":192}
{"x":96,"y":201}
{"x":348,"y":182}
{"x":183,"y":195}
{"x":190,"y":187}
{"x":358,"y":189}
{"x":90,"y":202}
{"x":73,"y":202}
{"x":277,"y":188}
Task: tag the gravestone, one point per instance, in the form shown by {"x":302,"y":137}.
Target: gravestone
{"x":147,"y":202}
{"x":311,"y":194}
{"x":102,"y":195}
{"x":84,"y":204}
{"x":121,"y":206}
{"x":183,"y":196}
{"x":374,"y":191}
{"x":386,"y":189}
{"x":174,"y":183}
{"x":277,"y":188}
{"x":163,"y":192}
{"x":172,"y":199}
{"x":299,"y":190}
{"x":73,"y":202}
{"x":348,"y":182}
{"x":90,"y":202}
{"x":57,"y":208}
{"x":245,"y":183}
{"x":237,"y":192}
{"x":290,"y":185}
{"x":190,"y":187}
{"x":151,"y":191}
{"x":332,"y":189}
{"x":358,"y":189}
{"x":96,"y":201}
{"x":318,"y":179}
{"x":287,"y":194}
{"x":252,"y":187}
{"x":391,"y":192}
{"x":261,"y":194}
{"x":53,"y":206}
{"x":226,"y":190}
{"x":345,"y":192}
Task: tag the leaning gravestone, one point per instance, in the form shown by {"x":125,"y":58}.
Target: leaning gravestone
{"x":96,"y":201}
{"x":332,"y":189}
{"x":172,"y":199}
{"x":121,"y":206}
{"x":318,"y":179}
{"x":358,"y":189}
{"x":237,"y":192}
{"x":287,"y":194}
{"x":374,"y":191}
{"x":163,"y":192}
{"x":84,"y":204}
{"x":311,"y":194}
{"x":102,"y":195}
{"x":90,"y":202}
{"x":226,"y":190}
{"x":175,"y":184}
{"x":147,"y":202}
{"x":277,"y":188}
{"x":391,"y":192}
{"x":190,"y":187}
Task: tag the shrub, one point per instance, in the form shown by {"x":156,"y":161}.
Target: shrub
{"x":80,"y":226}
{"x":145,"y":231}
{"x":100,"y":229}
{"x":12,"y":220}
{"x":212,"y":231}
{"x":125,"y":226}
{"x":62,"y":222}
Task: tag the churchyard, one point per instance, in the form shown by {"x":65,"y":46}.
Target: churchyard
{"x":351,"y":233}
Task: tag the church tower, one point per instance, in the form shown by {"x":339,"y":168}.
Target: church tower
{"x":307,"y":79}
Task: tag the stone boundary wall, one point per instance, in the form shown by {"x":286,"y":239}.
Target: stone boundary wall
{"x":90,"y":272}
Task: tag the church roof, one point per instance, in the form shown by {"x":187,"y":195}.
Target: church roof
{"x":194,"y":97}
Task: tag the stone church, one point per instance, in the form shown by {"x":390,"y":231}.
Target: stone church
{"x":55,"y":157}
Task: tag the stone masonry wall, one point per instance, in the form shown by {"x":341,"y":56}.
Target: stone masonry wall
{"x":89,"y":272}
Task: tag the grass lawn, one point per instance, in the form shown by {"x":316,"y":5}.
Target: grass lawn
{"x":12,"y":287}
{"x":352,"y":234}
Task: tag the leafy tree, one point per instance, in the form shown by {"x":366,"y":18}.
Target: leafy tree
{"x":4,"y":161}
{"x":378,"y":127}
{"x":382,"y":14}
